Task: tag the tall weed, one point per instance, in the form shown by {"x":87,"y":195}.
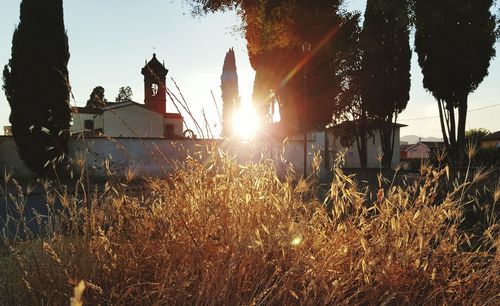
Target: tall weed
{"x":221,"y":232}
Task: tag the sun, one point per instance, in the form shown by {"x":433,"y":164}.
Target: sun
{"x":246,"y":123}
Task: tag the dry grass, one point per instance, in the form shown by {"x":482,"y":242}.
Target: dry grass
{"x":223,"y":233}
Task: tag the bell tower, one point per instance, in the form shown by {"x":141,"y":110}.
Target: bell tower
{"x":155,"y":95}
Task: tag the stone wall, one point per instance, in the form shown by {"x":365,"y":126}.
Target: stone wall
{"x":158,"y":156}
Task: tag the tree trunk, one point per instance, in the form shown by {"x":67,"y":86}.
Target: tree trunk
{"x":441,"y":120}
{"x":387,"y":149}
{"x":328,"y":165}
{"x":452,"y":129}
{"x":462,"y":117}
{"x":452,"y":149}
{"x":260,"y":94}
{"x":362,"y":150}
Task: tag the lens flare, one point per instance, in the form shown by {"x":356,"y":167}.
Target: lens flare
{"x":246,"y":122}
{"x":297,"y":240}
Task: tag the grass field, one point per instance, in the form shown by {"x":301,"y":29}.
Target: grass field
{"x":228,"y":234}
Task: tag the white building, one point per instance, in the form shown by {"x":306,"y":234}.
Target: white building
{"x":127,"y":119}
{"x":132,"y":119}
{"x":374,"y":148}
{"x":7,"y":130}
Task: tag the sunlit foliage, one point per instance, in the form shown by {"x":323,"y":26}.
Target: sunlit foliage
{"x":275,"y":32}
{"x":228,"y":233}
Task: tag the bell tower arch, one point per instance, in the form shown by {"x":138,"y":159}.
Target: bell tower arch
{"x":155,"y":95}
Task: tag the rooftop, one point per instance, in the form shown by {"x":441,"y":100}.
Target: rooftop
{"x":492,"y":136}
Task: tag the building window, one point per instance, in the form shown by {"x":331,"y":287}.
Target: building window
{"x":88,"y":124}
{"x":169,"y":130}
{"x":154,"y":89}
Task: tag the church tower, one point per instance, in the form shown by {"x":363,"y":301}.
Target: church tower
{"x":155,"y":95}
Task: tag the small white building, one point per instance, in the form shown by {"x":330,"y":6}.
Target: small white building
{"x":351,"y":153}
{"x":127,"y":119}
{"x":7,"y":130}
{"x":132,"y":119}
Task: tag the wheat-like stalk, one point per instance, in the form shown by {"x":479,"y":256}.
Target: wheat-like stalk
{"x":220,"y":231}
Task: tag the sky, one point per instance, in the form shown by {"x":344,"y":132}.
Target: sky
{"x":110,"y":40}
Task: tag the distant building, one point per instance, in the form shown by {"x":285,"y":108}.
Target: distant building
{"x":422,"y":149}
{"x":7,"y":130}
{"x":374,"y":147}
{"x":132,"y":119}
{"x":491,"y":140}
{"x":417,"y":150}
{"x":435,"y":147}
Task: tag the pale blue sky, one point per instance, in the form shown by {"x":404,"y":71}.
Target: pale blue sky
{"x":110,"y":40}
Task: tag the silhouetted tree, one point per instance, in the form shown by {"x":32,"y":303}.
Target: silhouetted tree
{"x":472,"y":136}
{"x":498,"y":23}
{"x":36,"y":84}
{"x":230,"y":93}
{"x":349,"y":113}
{"x":97,"y":99}
{"x":124,"y":94}
{"x":386,"y":64}
{"x":274,"y":43}
{"x":454,"y":41}
{"x":275,"y":31}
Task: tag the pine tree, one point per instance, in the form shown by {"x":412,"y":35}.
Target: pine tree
{"x":37,"y":86}
{"x":386,"y":64}
{"x":97,"y":99}
{"x":124,"y":94}
{"x":230,"y":94}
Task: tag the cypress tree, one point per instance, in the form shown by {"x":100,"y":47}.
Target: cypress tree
{"x":37,"y":86}
{"x":386,"y":64}
{"x":230,"y":94}
{"x":454,"y":41}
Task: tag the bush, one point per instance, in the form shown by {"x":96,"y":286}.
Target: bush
{"x":223,"y":233}
{"x":487,"y":157}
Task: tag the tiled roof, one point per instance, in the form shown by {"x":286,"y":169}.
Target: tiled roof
{"x":115,"y":105}
{"x":173,"y":116}
{"x":407,"y":147}
{"x":86,"y":110}
{"x":154,"y":67}
{"x":492,"y":136}
{"x":370,"y":124}
{"x":108,"y":105}
{"x":433,"y":144}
